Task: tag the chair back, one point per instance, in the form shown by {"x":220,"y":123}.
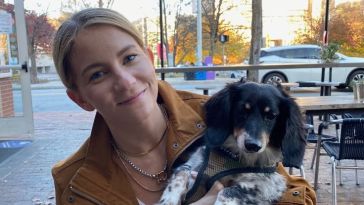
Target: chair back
{"x":352,"y":139}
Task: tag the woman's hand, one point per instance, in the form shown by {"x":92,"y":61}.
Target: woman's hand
{"x":211,"y":195}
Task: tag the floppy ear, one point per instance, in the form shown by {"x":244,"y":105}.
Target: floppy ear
{"x":294,"y":140}
{"x":218,"y":121}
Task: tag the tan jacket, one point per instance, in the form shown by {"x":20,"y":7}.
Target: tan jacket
{"x":92,"y":176}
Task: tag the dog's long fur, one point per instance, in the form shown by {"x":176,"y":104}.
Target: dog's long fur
{"x":262,"y":125}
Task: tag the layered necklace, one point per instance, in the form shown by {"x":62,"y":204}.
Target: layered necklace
{"x":160,"y":176}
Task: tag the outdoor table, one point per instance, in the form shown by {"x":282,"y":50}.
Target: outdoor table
{"x":325,"y":86}
{"x":288,"y":86}
{"x":205,"y":88}
{"x":318,"y":105}
{"x":322,"y":105}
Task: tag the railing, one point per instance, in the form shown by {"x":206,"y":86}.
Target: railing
{"x":260,"y":67}
{"x":15,"y":67}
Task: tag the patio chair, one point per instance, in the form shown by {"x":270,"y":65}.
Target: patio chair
{"x":350,"y":146}
{"x":313,"y":138}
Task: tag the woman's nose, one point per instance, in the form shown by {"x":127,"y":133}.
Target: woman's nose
{"x":123,"y":80}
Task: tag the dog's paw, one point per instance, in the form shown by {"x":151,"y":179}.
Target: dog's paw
{"x":176,"y":188}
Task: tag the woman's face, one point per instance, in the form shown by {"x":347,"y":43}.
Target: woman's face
{"x":112,"y":73}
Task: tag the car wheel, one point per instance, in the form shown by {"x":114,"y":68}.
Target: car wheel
{"x":273,"y":78}
{"x":356,"y":77}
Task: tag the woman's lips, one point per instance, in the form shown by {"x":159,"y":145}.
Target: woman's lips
{"x":132,"y":99}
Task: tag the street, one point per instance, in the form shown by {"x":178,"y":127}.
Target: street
{"x":56,"y":100}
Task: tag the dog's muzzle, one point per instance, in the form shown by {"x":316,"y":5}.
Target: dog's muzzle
{"x":252,"y":145}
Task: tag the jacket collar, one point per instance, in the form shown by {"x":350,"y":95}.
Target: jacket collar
{"x":103,"y":174}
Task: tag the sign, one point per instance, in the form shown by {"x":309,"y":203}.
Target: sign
{"x":159,"y":51}
{"x":6,"y":23}
{"x":223,"y":38}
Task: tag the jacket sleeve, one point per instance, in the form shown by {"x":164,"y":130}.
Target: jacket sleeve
{"x":299,"y":191}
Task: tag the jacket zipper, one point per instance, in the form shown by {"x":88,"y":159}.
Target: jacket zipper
{"x":86,"y":196}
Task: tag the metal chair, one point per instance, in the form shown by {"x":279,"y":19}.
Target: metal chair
{"x":302,"y":171}
{"x":350,"y":146}
{"x":312,"y":138}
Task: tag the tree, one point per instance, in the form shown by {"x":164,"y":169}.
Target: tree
{"x":183,"y":40}
{"x":75,"y":5}
{"x":235,"y":49}
{"x":40,"y":34}
{"x":256,"y":38}
{"x":212,"y":11}
{"x":345,"y":28}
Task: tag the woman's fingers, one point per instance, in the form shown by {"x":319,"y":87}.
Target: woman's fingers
{"x":194,"y":174}
{"x":216,"y":187}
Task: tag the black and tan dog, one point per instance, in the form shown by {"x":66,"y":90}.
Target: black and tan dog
{"x":259,"y":125}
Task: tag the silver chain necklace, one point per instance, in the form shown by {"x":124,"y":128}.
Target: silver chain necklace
{"x":160,"y":176}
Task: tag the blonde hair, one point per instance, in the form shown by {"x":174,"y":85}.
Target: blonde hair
{"x":67,"y":32}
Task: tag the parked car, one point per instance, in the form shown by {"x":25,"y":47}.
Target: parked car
{"x":305,"y":54}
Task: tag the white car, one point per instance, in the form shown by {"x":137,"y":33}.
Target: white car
{"x":305,"y":54}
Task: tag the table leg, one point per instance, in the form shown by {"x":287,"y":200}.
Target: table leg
{"x":318,"y":147}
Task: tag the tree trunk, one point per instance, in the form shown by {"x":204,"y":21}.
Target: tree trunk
{"x":166,"y":34}
{"x":256,"y":39}
{"x":101,"y":4}
{"x":33,"y":67}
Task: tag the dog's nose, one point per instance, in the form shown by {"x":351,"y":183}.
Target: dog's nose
{"x":252,"y":145}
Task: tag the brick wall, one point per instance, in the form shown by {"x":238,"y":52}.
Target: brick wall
{"x":6,"y":98}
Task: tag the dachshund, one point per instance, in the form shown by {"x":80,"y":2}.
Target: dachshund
{"x":258,"y":125}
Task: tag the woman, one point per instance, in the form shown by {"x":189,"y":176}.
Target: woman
{"x":141,"y":126}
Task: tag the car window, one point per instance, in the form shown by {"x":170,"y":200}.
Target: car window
{"x":300,"y":53}
{"x":314,"y":53}
{"x":264,"y":53}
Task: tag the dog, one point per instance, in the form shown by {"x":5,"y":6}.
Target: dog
{"x":260,"y":125}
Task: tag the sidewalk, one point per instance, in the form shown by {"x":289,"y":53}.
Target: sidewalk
{"x":25,"y":177}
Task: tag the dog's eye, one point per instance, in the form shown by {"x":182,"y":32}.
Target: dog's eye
{"x":270,"y":115}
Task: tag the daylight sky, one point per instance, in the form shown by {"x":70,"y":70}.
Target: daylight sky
{"x":136,"y":9}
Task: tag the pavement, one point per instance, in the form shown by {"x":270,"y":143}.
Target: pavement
{"x":25,"y":177}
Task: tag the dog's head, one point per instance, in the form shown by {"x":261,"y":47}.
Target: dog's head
{"x":257,"y":116}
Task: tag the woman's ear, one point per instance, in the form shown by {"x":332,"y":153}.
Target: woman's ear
{"x":76,"y":97}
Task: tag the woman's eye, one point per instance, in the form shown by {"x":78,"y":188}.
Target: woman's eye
{"x":97,"y":75}
{"x":129,"y":58}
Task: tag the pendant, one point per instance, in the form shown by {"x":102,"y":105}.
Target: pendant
{"x":161,"y":177}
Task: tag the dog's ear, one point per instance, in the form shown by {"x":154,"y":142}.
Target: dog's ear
{"x":218,"y":119}
{"x":294,"y":141}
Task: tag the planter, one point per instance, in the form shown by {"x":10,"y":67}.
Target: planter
{"x":358,"y":91}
